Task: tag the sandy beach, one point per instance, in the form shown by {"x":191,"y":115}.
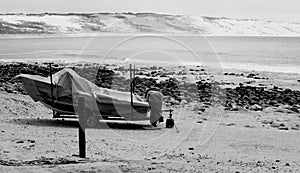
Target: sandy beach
{"x":229,"y":121}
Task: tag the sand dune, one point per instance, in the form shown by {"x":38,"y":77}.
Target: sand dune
{"x":49,"y":23}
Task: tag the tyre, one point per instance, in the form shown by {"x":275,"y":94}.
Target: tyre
{"x":170,"y":123}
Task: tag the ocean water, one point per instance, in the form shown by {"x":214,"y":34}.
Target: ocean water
{"x":278,"y":54}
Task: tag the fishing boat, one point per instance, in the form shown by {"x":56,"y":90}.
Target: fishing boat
{"x":62,"y":90}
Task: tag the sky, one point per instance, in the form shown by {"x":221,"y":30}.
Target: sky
{"x":272,"y":10}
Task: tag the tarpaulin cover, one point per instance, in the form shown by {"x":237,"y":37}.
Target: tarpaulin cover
{"x":155,"y":100}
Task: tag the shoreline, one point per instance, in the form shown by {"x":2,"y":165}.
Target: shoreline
{"x":103,"y":34}
{"x":228,"y":67}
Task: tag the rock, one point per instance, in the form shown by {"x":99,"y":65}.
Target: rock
{"x":9,"y":90}
{"x":200,"y":121}
{"x":256,"y":107}
{"x":283,"y":128}
{"x":251,"y":75}
{"x":295,"y":109}
{"x":191,"y":148}
{"x":249,"y":126}
{"x":267,"y":122}
{"x":31,"y":141}
{"x":289,"y":111}
{"x":295,"y":128}
{"x":202,"y":109}
{"x":269,"y":109}
{"x":287,"y":107}
{"x":231,"y":124}
{"x":273,"y":102}
{"x":196,"y":107}
{"x":184,"y":102}
{"x":234,"y":107}
{"x":228,"y":124}
{"x":280,"y":109}
{"x":277,"y":125}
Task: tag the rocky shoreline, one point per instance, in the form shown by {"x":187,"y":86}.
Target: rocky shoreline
{"x":174,"y":86}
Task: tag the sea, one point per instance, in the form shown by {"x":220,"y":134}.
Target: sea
{"x":274,"y":54}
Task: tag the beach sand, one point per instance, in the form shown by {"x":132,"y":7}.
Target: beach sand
{"x":210,"y":136}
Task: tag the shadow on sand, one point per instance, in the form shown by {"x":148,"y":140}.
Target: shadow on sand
{"x":74,"y":124}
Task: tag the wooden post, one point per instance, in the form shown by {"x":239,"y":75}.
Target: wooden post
{"x":51,"y":81}
{"x":133,"y":79}
{"x":133,"y":71}
{"x":131,"y":94}
{"x":82,"y":124}
{"x":130,"y":72}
